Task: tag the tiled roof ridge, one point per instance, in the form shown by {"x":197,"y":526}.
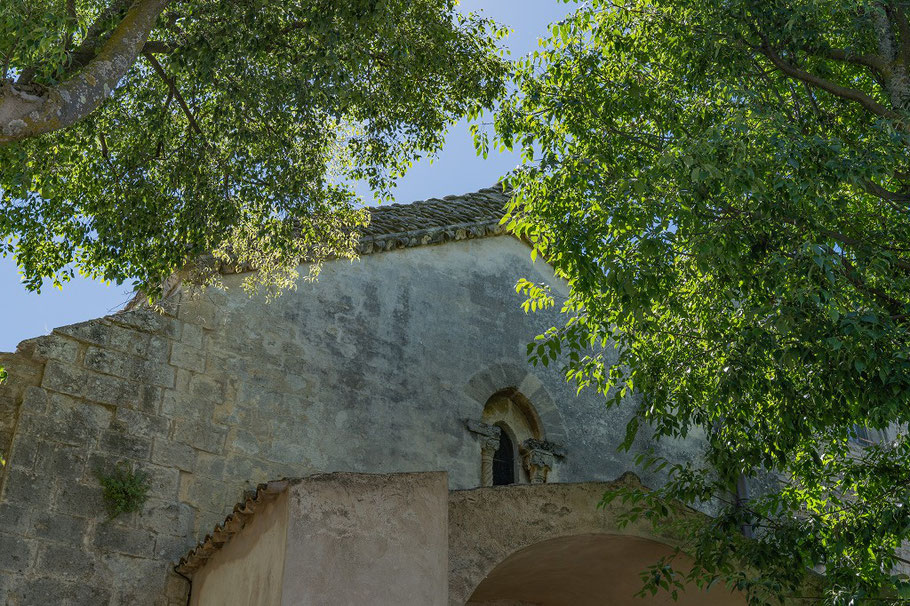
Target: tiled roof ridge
{"x":435,"y":220}
{"x":476,"y":214}
{"x":236,"y":521}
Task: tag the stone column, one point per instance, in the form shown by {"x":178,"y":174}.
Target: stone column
{"x":488,"y":447}
{"x":489,"y":442}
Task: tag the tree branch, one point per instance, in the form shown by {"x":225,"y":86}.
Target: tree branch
{"x":895,"y":307}
{"x":838,"y":54}
{"x":158,"y":47}
{"x":88,"y":48}
{"x":29,"y":113}
{"x":894,"y":199}
{"x":71,"y":15}
{"x":843,"y":92}
{"x":173,"y":90}
{"x":903,"y":27}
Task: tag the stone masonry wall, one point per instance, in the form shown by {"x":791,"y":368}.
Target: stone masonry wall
{"x":27,"y":373}
{"x":374,"y":368}
{"x":97,"y":403}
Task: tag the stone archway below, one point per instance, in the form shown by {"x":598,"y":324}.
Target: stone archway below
{"x":555,"y":545}
{"x":585,"y":570}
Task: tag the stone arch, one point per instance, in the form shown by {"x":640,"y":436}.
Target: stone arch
{"x":488,"y":525}
{"x":588,"y":570}
{"x":519,"y":379}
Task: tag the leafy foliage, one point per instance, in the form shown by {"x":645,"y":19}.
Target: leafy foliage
{"x":125,"y":490}
{"x":725,"y":186}
{"x":239,"y":129}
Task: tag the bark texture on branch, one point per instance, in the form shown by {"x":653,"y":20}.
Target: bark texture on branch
{"x":27,"y":112}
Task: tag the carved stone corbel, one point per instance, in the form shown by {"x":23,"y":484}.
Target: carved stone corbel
{"x":489,"y":442}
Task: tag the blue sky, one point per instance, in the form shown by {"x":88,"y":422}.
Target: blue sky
{"x":457,"y":170}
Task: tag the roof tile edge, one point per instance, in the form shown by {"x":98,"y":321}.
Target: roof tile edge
{"x":467,"y":216}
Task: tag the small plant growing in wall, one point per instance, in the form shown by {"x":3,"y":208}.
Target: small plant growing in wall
{"x":125,"y":489}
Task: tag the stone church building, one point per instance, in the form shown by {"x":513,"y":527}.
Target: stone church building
{"x":375,"y":437}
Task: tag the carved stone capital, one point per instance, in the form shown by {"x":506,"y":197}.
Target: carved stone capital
{"x":539,"y":458}
{"x":488,"y":446}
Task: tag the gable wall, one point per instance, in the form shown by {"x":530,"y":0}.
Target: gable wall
{"x":374,"y":368}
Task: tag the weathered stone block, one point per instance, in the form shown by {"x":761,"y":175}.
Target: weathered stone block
{"x":119,"y":364}
{"x":83,"y":593}
{"x":16,"y":553}
{"x":81,"y":500}
{"x":163,"y":481}
{"x":167,"y":518}
{"x":149,"y":400}
{"x":243,"y":441}
{"x":173,"y":454}
{"x":140,"y":581}
{"x":158,"y":348}
{"x":128,"y":341}
{"x":204,"y":387}
{"x":65,"y":561}
{"x":42,"y":591}
{"x":63,"y":378}
{"x":14,"y":518}
{"x":208,"y":494}
{"x":129,"y":541}
{"x":65,"y":463}
{"x":192,"y":336}
{"x":140,"y":424}
{"x":198,"y":311}
{"x":190,"y":358}
{"x":114,"y":391}
{"x":28,"y":489}
{"x":24,"y":452}
{"x":54,"y":526}
{"x":77,"y":422}
{"x":6,"y":587}
{"x":34,"y":401}
{"x":179,"y":405}
{"x":202,"y":436}
{"x":209,"y":465}
{"x":126,"y":445}
{"x":94,"y":331}
{"x":172,"y":548}
{"x":111,"y":362}
{"x":56,"y":347}
{"x":288,"y":450}
{"x":146,"y":321}
{"x":130,"y":332}
{"x":177,"y":588}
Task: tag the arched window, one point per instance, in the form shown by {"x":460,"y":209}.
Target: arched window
{"x":504,"y":461}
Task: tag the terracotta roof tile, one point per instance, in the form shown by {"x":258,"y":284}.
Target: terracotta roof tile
{"x":235,"y":522}
{"x":472,"y":215}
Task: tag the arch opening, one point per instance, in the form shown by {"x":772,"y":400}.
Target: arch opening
{"x":504,"y":460}
{"x":587,"y":570}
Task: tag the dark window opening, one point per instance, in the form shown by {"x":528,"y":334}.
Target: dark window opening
{"x":504,"y":461}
